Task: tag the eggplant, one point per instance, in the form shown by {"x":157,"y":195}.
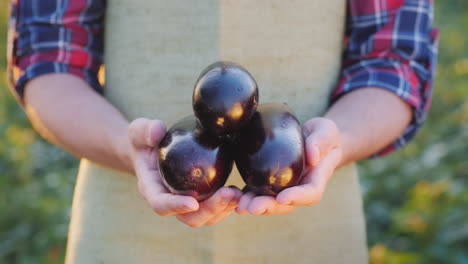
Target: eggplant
{"x":225,"y":97}
{"x":192,"y":161}
{"x":270,"y":152}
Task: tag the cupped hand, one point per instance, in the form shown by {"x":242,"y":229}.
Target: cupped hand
{"x":323,"y":155}
{"x":144,"y":136}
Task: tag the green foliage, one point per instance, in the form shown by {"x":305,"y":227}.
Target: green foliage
{"x":416,"y":200}
{"x":36,"y":183}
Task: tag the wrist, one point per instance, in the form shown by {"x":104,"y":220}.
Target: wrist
{"x":123,"y":150}
{"x":346,"y":150}
{"x":126,"y":154}
{"x":345,"y":142}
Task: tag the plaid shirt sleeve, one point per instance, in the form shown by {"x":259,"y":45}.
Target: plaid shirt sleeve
{"x":391,"y":44}
{"x":49,"y":36}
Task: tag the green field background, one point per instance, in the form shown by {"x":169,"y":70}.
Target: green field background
{"x":416,"y":200}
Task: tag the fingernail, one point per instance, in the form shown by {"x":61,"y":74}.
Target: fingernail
{"x":188,"y":207}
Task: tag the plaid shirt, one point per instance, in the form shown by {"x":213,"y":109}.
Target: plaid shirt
{"x":389,"y":44}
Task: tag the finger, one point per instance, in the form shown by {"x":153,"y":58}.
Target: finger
{"x":161,"y":201}
{"x":267,"y":205}
{"x":209,"y":208}
{"x":321,"y":135}
{"x":223,"y":215}
{"x":278,"y":209}
{"x":166,"y":204}
{"x":260,"y":204}
{"x":244,"y":202}
{"x":313,"y":185}
{"x":301,"y":195}
{"x":237,"y":193}
{"x":312,"y":153}
{"x":146,"y":133}
{"x":232,"y":205}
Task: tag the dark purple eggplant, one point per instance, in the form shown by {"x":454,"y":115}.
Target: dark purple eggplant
{"x":270,"y":150}
{"x":193,"y":162}
{"x":224,"y":98}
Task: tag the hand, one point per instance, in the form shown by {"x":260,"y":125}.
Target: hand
{"x":144,"y":136}
{"x":323,"y":155}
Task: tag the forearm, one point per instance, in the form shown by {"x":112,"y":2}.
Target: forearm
{"x":369,"y":119}
{"x":67,"y":112}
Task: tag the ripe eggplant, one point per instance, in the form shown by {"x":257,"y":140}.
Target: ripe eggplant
{"x":270,"y":150}
{"x":224,"y":98}
{"x":193,"y":162}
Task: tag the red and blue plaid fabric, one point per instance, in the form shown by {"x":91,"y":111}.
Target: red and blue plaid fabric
{"x":390,"y":44}
{"x":50,"y":36}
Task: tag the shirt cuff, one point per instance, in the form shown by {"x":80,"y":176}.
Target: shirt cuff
{"x":19,"y":78}
{"x":409,"y":81}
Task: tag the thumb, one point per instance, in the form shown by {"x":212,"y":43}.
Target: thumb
{"x":321,"y":136}
{"x":145,"y":132}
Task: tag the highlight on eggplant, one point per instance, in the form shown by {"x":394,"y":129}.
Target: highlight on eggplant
{"x":193,"y":162}
{"x":270,"y":152}
{"x":225,"y":97}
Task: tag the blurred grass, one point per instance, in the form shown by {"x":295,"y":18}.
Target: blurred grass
{"x":416,"y":200}
{"x":36,"y":182}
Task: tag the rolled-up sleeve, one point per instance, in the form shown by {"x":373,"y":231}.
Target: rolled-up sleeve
{"x":49,"y":36}
{"x":391,"y":44}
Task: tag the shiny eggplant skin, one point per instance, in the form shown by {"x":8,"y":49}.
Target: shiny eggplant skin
{"x":193,"y":162}
{"x":225,"y":97}
{"x":270,"y":150}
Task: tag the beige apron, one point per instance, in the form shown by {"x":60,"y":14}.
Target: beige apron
{"x":154,"y":53}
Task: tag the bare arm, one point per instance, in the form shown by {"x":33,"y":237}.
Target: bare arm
{"x":368,"y":119}
{"x":67,"y":112}
{"x":365,"y":120}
